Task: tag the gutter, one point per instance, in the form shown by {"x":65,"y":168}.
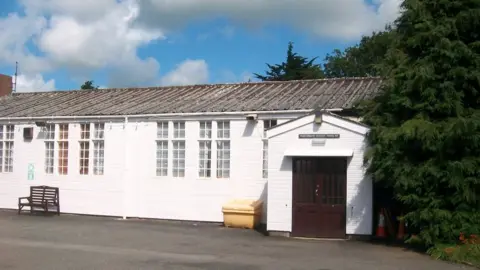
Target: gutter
{"x":158,"y":115}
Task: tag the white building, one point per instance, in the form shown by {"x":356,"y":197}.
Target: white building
{"x":182,"y":152}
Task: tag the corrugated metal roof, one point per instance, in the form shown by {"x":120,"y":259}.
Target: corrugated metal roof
{"x":261,"y":96}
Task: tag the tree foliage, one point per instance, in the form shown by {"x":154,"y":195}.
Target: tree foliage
{"x":425,"y":135}
{"x":362,"y":60}
{"x":295,"y":67}
{"x":88,"y":85}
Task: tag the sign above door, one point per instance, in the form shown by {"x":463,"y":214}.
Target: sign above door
{"x":318,"y":136}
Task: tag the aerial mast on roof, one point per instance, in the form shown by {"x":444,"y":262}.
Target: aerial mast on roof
{"x":16,"y":74}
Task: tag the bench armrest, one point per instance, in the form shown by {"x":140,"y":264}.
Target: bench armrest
{"x":23,"y":198}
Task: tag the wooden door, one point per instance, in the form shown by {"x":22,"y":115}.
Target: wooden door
{"x":319,"y":197}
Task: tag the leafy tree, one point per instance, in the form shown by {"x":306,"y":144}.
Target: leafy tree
{"x":362,"y":60}
{"x":425,"y":135}
{"x":295,"y":67}
{"x":88,"y":85}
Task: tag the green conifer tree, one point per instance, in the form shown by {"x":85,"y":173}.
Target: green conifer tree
{"x":295,"y":67}
{"x":425,"y":136}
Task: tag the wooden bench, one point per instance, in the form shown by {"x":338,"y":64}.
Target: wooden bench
{"x":42,"y":197}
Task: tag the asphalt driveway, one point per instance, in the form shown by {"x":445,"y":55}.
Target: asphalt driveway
{"x":80,"y":242}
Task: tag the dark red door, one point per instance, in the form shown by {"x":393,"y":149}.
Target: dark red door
{"x":319,"y":197}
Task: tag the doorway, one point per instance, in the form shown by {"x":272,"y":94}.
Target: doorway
{"x":319,"y":197}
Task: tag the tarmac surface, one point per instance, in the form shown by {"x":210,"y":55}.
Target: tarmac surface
{"x":82,"y":242}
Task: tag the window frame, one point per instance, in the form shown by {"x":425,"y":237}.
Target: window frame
{"x":162,"y":147}
{"x":7,"y":146}
{"x":98,"y":141}
{"x":267,"y":124}
{"x":63,"y":149}
{"x":179,"y":138}
{"x":176,"y":159}
{"x":271,"y":123}
{"x":205,"y":150}
{"x":85,"y":152}
{"x":223,"y":149}
{"x":265,"y":159}
{"x":49,"y":153}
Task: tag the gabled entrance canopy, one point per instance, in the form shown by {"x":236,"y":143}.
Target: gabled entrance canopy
{"x":317,"y":117}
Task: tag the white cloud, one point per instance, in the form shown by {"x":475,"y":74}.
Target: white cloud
{"x":110,"y":41}
{"x":186,"y":73}
{"x":80,"y":36}
{"x":342,"y":19}
{"x":34,"y":83}
{"x":85,"y":36}
{"x":15,"y":32}
{"x":98,"y":43}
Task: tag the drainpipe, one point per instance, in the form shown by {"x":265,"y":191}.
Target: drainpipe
{"x":125,"y":169}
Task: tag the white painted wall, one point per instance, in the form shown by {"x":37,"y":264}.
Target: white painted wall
{"x":129,"y":186}
{"x":82,"y":194}
{"x":359,"y":187}
{"x":191,"y":197}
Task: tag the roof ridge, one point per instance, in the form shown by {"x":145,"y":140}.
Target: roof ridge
{"x":194,"y":85}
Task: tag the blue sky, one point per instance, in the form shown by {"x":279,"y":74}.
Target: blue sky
{"x":123,"y":43}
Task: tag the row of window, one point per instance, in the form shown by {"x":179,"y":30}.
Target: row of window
{"x":88,"y":142}
{"x":221,"y":142}
{"x":92,"y":148}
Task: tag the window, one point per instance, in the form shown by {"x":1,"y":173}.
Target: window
{"x":205,"y":146}
{"x":7,"y":134}
{"x":178,"y":149}
{"x":63,"y":149}
{"x":179,"y":130}
{"x":178,"y":158}
{"x":205,"y":130}
{"x":98,"y":148}
{"x":223,"y":149}
{"x":162,"y":149}
{"x":84,"y":148}
{"x":49,"y":148}
{"x":265,"y":159}
{"x":86,"y":142}
{"x":162,"y":130}
{"x":269,"y":123}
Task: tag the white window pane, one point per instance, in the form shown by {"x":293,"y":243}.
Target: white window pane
{"x":99,"y":131}
{"x":179,"y":129}
{"x":162,"y":158}
{"x":223,"y":159}
{"x":162,"y":130}
{"x":10,"y":132}
{"x":205,"y":130}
